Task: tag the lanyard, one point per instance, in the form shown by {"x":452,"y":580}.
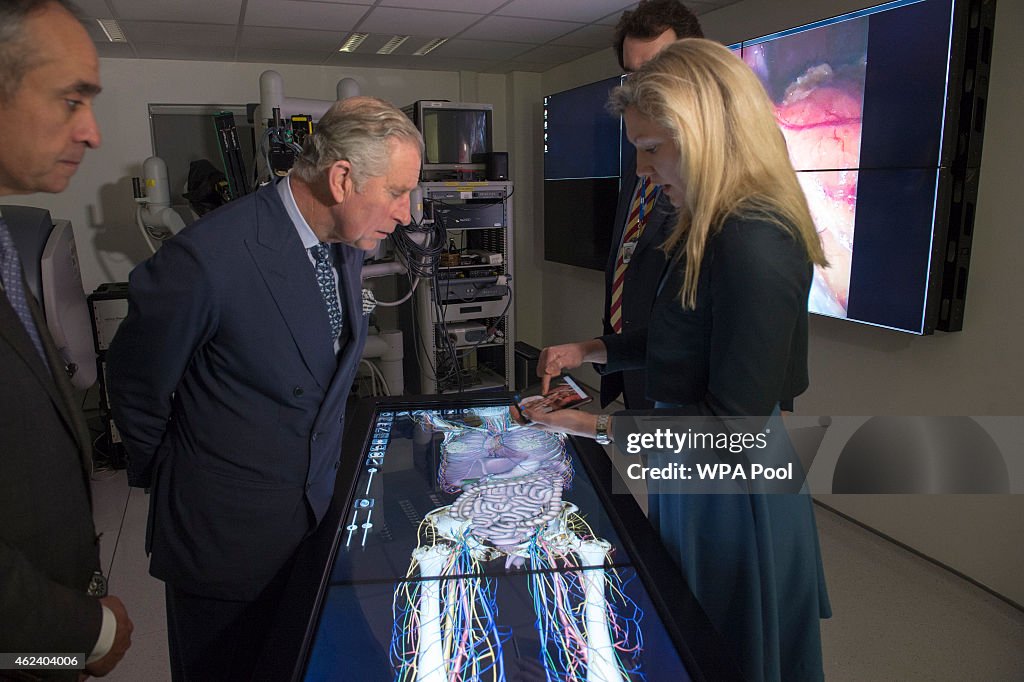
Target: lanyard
{"x":641,"y":218}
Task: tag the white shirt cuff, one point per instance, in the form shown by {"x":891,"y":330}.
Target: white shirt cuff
{"x":106,"y":638}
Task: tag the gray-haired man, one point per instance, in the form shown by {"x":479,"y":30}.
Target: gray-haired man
{"x":229,"y":376}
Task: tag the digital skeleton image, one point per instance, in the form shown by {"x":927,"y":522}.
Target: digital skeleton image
{"x":816,"y":79}
{"x":509,"y":480}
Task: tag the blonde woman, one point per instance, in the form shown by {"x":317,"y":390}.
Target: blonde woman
{"x":728,"y":337}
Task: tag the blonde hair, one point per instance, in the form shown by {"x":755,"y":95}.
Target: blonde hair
{"x":732,"y":154}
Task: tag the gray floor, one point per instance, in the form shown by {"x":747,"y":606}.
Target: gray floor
{"x":896,"y":616}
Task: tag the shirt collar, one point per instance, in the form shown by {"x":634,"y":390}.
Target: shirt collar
{"x":305,"y":232}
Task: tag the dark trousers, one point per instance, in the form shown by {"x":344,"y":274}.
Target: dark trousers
{"x":217,"y":640}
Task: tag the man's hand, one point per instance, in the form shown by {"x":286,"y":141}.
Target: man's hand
{"x":122,"y":639}
{"x":554,"y":359}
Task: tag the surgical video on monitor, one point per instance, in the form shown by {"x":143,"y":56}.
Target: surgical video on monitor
{"x":816,"y":81}
{"x":861,"y":101}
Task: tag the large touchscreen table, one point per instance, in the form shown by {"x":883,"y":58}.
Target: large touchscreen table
{"x":467,"y":547}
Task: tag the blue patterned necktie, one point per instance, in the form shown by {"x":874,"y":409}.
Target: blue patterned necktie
{"x":10,"y":275}
{"x":325,"y":278}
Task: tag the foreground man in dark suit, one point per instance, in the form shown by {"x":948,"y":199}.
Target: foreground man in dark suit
{"x":49,"y":552}
{"x":635,"y":262}
{"x":229,"y":376}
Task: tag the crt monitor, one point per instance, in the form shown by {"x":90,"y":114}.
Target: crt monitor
{"x":453,"y":132}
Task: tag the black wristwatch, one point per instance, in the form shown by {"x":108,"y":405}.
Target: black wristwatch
{"x":602,"y":436}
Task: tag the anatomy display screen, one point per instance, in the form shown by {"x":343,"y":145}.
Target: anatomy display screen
{"x":478,"y":549}
{"x":861,"y":102}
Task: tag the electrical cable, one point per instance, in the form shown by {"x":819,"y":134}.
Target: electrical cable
{"x":117,"y":539}
{"x":375,"y":375}
{"x":147,"y":234}
{"x":385,"y":389}
{"x":391,"y":304}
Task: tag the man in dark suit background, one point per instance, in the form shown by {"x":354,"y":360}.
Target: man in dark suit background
{"x":50,"y":584}
{"x":635,"y":263}
{"x":228,"y":378}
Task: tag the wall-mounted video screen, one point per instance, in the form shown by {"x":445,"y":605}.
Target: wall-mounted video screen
{"x":883,"y":113}
{"x":869,"y":105}
{"x":583,"y":148}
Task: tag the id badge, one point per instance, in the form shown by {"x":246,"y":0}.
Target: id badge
{"x":627,"y":251}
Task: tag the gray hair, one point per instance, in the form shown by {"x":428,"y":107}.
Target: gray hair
{"x":17,"y":55}
{"x":358,"y":130}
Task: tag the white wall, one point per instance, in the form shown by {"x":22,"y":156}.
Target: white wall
{"x":857,"y":370}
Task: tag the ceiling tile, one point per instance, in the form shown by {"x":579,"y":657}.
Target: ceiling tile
{"x":300,"y":14}
{"x":206,"y":53}
{"x":191,"y":11}
{"x":171,"y":33}
{"x":519,"y":30}
{"x":428,"y":62}
{"x":610,"y":20}
{"x":93,"y":8}
{"x":415,"y":22}
{"x":117,"y":50}
{"x":528,"y":35}
{"x":373,"y":42}
{"x":594,"y":36}
{"x":553,"y":54}
{"x":583,"y":11}
{"x":480,"y":49}
{"x":289,"y":39}
{"x":275,"y":56}
{"x":508,"y":67}
{"x":92,"y":27}
{"x":477,"y":6}
{"x":442,"y":64}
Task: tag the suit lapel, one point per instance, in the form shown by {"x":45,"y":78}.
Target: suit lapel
{"x":350,"y":269}
{"x":288,"y":273}
{"x":12,"y":330}
{"x":55,"y":385}
{"x":349,"y":262}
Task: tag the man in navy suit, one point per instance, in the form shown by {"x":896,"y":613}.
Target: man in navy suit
{"x":52,"y":597}
{"x":228,"y":378}
{"x":635,"y":263}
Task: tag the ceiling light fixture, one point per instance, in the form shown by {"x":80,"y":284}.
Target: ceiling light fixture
{"x":112,"y":30}
{"x":392,"y":44}
{"x":432,"y":45}
{"x":353,"y":42}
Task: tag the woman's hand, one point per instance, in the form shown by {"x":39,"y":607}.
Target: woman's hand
{"x":573,"y":422}
{"x":554,"y":359}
